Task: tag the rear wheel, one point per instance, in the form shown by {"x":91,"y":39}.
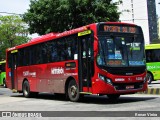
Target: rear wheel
{"x":26,"y":89}
{"x":73,"y":91}
{"x":149,"y":78}
{"x":4,"y":83}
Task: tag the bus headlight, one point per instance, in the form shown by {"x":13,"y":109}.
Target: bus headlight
{"x":107,"y":80}
{"x":101,"y":77}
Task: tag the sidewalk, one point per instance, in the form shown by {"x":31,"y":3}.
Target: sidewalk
{"x":154,"y":91}
{"x":153,"y":88}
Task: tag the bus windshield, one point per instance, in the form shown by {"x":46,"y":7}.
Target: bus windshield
{"x":121,"y":51}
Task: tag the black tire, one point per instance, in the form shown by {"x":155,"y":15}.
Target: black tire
{"x":113,"y":97}
{"x":149,"y":78}
{"x":73,"y":91}
{"x":4,"y":83}
{"x":26,"y":89}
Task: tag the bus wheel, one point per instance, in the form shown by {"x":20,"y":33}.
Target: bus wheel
{"x":26,"y":89}
{"x":113,"y":96}
{"x":73,"y":91}
{"x":149,"y":78}
{"x":4,"y":83}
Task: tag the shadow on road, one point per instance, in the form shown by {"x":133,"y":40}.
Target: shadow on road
{"x":122,"y":99}
{"x":154,"y":84}
{"x":91,"y":99}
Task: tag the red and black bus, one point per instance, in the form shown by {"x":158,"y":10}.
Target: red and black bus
{"x":105,"y":58}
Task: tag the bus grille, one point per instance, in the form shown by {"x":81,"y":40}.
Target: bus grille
{"x":128,"y":86}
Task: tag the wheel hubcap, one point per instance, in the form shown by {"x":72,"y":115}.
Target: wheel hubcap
{"x":26,"y":90}
{"x":73,"y":91}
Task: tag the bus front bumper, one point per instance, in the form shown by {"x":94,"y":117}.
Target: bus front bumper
{"x":119,"y":88}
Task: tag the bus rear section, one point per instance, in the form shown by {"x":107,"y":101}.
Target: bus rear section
{"x":153,"y":62}
{"x":100,"y":58}
{"x":3,"y":73}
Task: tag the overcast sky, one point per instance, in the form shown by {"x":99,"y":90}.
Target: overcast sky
{"x":14,"y":6}
{"x":158,"y":7}
{"x":21,"y":6}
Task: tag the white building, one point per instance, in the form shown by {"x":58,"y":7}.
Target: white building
{"x":159,"y":27}
{"x":142,"y":13}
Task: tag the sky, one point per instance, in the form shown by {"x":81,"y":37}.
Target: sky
{"x":158,"y":7}
{"x":14,"y":6}
{"x":21,"y":6}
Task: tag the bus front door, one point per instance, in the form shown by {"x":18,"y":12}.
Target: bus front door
{"x":84,"y":62}
{"x":13,"y":70}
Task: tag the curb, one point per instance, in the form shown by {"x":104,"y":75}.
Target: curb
{"x":153,"y":91}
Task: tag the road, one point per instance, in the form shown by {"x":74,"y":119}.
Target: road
{"x":47,"y":102}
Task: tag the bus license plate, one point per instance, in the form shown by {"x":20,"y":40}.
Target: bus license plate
{"x":130,"y":87}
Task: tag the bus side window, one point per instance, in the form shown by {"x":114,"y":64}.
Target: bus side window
{"x":157,"y":55}
{"x":54,"y":55}
{"x":74,"y":47}
{"x":38,"y":56}
{"x":46,"y":53}
{"x":69,"y":53}
{"x":33,"y":55}
{"x":148,"y":56}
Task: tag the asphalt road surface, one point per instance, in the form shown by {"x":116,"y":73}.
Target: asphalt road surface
{"x":127,"y":107}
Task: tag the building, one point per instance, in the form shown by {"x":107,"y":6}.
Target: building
{"x":159,"y":27}
{"x":143,"y":13}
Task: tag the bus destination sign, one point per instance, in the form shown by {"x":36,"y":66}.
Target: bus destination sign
{"x":119,"y":29}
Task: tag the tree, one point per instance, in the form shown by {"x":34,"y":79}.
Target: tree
{"x":13,"y":31}
{"x":46,"y":16}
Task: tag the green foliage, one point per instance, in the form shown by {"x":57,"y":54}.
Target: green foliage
{"x":13,"y":31}
{"x":46,"y":16}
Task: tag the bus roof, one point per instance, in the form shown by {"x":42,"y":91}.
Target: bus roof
{"x":120,"y":23}
{"x":152,"y":46}
{"x":51,"y":36}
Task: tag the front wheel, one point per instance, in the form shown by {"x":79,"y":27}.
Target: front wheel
{"x":73,"y":91}
{"x":149,"y":78}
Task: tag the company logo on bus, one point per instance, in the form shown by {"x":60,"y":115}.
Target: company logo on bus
{"x":28,"y":73}
{"x":119,"y":79}
{"x":58,"y":70}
